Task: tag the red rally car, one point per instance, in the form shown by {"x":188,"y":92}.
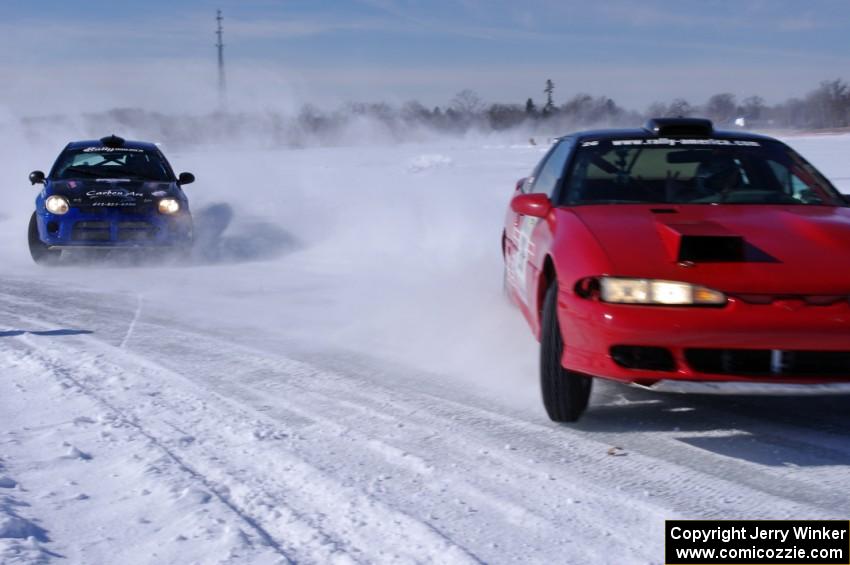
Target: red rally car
{"x":680,"y":257}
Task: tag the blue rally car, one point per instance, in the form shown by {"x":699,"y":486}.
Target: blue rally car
{"x":109,"y":194}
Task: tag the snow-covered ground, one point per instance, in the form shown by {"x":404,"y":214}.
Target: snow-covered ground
{"x":336,"y":378}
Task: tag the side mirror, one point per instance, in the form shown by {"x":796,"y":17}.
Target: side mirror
{"x":37,"y":177}
{"x":185,"y":178}
{"x":535,"y":204}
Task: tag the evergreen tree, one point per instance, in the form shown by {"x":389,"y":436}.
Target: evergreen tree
{"x":549,"y":90}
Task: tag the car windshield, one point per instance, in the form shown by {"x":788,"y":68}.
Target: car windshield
{"x":111,"y":163}
{"x":698,"y":171}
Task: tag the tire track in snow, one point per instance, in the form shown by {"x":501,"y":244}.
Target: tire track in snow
{"x":61,"y":373}
{"x":490,"y":419}
{"x":460,"y":408}
{"x":714,"y":501}
{"x":662,"y":447}
{"x":133,"y":322}
{"x":358,"y":397}
{"x":445,"y":546}
{"x":520,"y":513}
{"x":323,"y":393}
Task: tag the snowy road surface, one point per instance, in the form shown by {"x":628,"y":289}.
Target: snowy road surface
{"x":336,"y":379}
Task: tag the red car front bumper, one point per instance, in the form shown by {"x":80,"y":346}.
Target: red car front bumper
{"x":783,"y":342}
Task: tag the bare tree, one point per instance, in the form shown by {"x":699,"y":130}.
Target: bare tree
{"x":584,"y":109}
{"x":657,"y":110}
{"x":752,"y":108}
{"x":829,"y":104}
{"x":721,"y":107}
{"x":467,"y":102}
{"x":413,"y":111}
{"x":680,"y":108}
{"x":505,"y":116}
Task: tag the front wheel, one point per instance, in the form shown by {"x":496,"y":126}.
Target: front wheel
{"x":565,"y":393}
{"x":39,"y":251}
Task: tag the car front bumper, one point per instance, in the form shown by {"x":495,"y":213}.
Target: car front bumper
{"x":747,"y":388}
{"x":778,"y":343}
{"x":113,"y":229}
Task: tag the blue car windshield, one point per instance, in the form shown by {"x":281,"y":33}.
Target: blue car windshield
{"x":111,"y":163}
{"x":699,"y":171}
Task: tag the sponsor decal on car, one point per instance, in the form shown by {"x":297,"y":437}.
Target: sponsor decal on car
{"x":113,"y":193}
{"x":112,"y":149}
{"x":524,"y":252}
{"x":123,"y":204}
{"x":698,"y":141}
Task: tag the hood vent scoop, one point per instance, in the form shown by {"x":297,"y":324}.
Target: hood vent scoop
{"x":702,"y":242}
{"x":711,"y":249}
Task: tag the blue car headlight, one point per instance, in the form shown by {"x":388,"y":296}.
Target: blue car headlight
{"x":168,"y":206}
{"x":56,"y":204}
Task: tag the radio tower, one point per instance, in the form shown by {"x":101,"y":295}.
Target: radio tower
{"x":220,"y":45}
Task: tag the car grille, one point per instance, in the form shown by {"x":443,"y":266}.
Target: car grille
{"x":802,"y":299}
{"x":135,"y":231}
{"x":90,"y":231}
{"x":769,"y":363}
{"x":642,"y":357}
{"x":101,"y":231}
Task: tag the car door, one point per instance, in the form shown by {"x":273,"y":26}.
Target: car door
{"x":523,"y":186}
{"x":512,"y":224}
{"x":531,"y":234}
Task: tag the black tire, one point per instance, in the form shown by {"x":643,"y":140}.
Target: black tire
{"x":38,"y":250}
{"x":565,"y":393}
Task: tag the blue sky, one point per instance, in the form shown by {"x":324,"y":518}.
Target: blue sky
{"x":67,"y":54}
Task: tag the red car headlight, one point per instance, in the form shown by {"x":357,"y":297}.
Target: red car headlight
{"x":648,"y":291}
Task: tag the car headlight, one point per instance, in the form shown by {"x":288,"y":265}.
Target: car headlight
{"x":648,"y":291}
{"x":56,"y":204}
{"x":169,"y":206}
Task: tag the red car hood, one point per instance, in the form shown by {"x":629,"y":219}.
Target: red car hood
{"x":758,"y":249}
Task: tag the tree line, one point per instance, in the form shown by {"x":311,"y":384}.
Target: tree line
{"x":826,"y":106}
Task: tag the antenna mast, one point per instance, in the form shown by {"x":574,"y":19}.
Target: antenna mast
{"x":220,"y":45}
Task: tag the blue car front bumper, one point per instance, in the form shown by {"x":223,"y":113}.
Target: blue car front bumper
{"x":113,"y":229}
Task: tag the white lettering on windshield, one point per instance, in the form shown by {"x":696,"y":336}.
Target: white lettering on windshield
{"x":673,"y":142}
{"x":111,"y":149}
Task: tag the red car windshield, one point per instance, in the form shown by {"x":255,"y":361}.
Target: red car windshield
{"x":699,"y":171}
